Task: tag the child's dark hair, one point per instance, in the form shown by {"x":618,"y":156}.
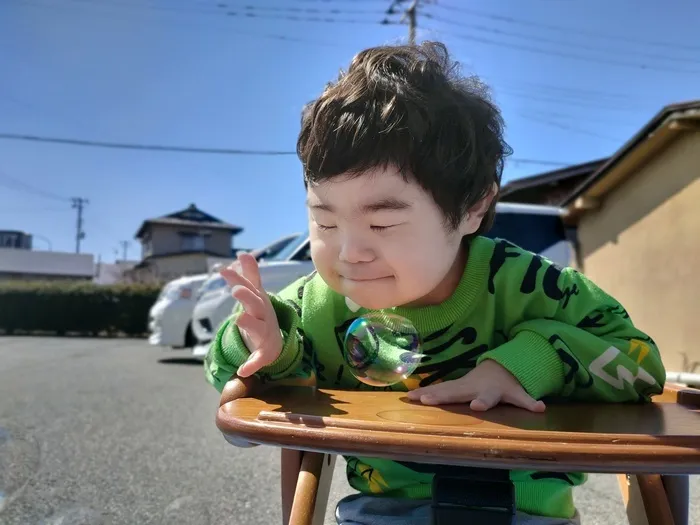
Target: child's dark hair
{"x":408,"y":106}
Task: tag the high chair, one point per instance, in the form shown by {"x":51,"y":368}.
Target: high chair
{"x":652,"y":447}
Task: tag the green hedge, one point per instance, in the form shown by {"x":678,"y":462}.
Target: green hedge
{"x":76,"y":307}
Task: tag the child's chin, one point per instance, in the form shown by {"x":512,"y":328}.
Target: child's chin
{"x":372,"y":303}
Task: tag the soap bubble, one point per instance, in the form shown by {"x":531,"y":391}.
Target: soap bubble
{"x":382,"y":349}
{"x":19,"y":461}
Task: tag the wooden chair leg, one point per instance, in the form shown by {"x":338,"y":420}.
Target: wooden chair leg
{"x":290,"y":466}
{"x":324,"y":488}
{"x":645,"y":499}
{"x":310,"y":496}
{"x":678,"y":491}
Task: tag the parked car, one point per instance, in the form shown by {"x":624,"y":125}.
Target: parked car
{"x":273,"y":249}
{"x":537,"y":228}
{"x":215,"y":303}
{"x":170,"y":316}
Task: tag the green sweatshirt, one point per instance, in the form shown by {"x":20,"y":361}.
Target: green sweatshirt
{"x":552,"y":328}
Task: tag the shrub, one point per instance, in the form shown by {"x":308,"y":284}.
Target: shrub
{"x":81,"y":307}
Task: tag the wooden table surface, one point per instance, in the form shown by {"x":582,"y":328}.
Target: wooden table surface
{"x":660,"y":437}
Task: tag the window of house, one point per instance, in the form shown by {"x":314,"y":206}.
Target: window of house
{"x":191,"y":242}
{"x":146,"y":246}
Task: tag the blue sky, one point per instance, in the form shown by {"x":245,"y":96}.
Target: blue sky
{"x":575,"y":80}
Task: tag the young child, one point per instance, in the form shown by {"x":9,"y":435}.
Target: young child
{"x":402,"y":163}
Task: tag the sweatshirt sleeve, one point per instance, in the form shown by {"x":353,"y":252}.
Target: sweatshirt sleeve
{"x":568,"y":338}
{"x":228,"y":351}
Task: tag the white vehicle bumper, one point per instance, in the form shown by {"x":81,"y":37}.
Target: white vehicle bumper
{"x":167,"y":324}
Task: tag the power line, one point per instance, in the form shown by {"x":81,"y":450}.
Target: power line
{"x":530,"y":49}
{"x":296,"y":18}
{"x":13,"y":183}
{"x":567,"y":30}
{"x":537,"y":38}
{"x":549,"y":99}
{"x":305,"y":10}
{"x":149,"y":147}
{"x":238,"y":32}
{"x":186,"y":149}
{"x":568,"y":127}
{"x":246,"y":11}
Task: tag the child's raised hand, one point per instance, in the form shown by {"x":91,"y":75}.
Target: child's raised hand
{"x":258,"y":322}
{"x":483,"y":388}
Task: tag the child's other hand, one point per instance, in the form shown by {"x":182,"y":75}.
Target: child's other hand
{"x":258,"y":322}
{"x":483,"y":388}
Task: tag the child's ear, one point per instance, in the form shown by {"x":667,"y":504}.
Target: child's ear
{"x":476,"y":213}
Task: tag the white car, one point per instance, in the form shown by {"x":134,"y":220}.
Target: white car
{"x":215,"y":303}
{"x":533,"y":227}
{"x":537,"y":228}
{"x":170,"y":316}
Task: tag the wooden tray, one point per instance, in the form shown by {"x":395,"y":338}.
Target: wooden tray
{"x":661,"y":437}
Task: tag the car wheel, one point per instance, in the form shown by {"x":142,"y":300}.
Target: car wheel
{"x":190,"y":339}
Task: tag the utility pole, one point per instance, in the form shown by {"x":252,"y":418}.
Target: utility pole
{"x":411,"y":13}
{"x":79,"y":203}
{"x":125,"y":247}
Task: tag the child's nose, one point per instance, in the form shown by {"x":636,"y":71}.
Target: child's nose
{"x":354,"y":250}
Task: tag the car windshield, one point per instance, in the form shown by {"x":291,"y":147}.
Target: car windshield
{"x":532,"y":230}
{"x":288,"y":251}
{"x":166,"y":290}
{"x":212,"y":283}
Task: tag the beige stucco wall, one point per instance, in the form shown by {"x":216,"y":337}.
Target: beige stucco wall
{"x":166,"y":239}
{"x":643,"y":247}
{"x":176,"y":266}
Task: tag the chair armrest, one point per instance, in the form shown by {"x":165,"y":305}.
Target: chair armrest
{"x":237,"y":388}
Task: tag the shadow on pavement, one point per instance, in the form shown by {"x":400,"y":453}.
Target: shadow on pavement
{"x":180,"y":361}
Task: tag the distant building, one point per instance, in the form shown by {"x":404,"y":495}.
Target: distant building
{"x":15,"y":239}
{"x":551,"y":188}
{"x":25,"y":264}
{"x":113,"y":273}
{"x":186,"y":242}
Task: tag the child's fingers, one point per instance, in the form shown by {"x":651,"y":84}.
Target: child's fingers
{"x":235,"y":278}
{"x":251,"y":366}
{"x":486,"y":400}
{"x":255,"y":362}
{"x":522,"y":399}
{"x":250,"y":270}
{"x":251,"y":302}
{"x":251,"y":325}
{"x":442,"y":393}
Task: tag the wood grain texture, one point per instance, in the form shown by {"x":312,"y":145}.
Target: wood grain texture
{"x":661,"y":437}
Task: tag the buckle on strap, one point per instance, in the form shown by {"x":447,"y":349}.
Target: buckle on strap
{"x":473,"y":495}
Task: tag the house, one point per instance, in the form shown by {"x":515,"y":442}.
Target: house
{"x":550,"y":188}
{"x":639,"y":230}
{"x":185,"y":242}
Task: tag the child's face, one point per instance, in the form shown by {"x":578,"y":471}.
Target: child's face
{"x":382,"y":241}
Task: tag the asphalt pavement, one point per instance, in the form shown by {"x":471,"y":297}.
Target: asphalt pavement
{"x":114,"y":431}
